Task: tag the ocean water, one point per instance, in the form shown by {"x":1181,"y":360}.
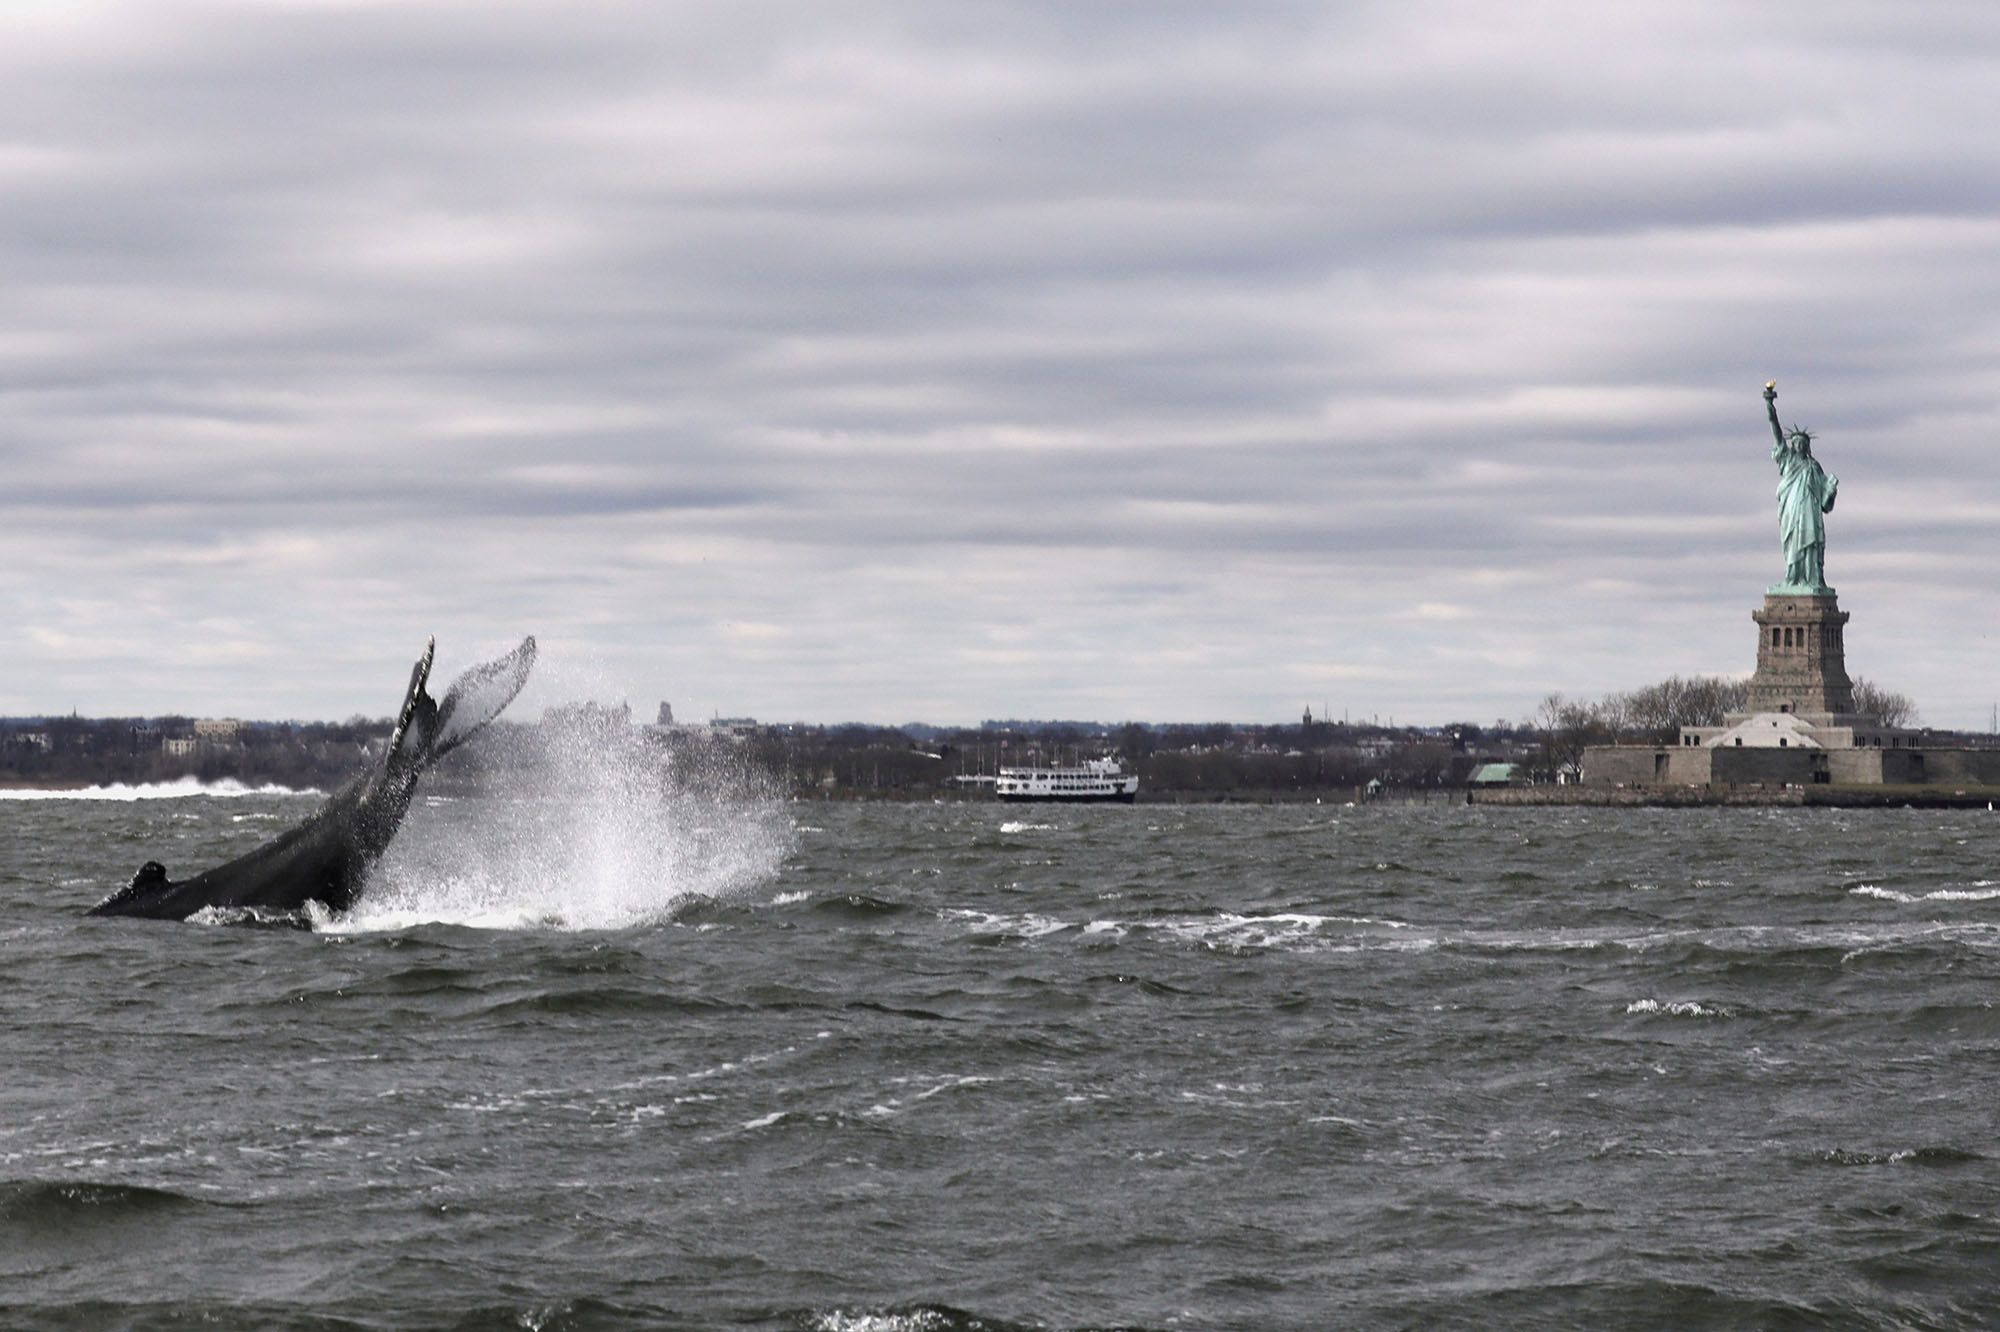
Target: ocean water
{"x":649,"y":1059}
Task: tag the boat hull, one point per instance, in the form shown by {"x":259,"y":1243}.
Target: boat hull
{"x":1071,"y":798}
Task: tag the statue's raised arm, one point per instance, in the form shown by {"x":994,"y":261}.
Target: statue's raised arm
{"x":1771,"y":408}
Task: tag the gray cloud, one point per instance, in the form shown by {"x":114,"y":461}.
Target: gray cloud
{"x":905,"y":360}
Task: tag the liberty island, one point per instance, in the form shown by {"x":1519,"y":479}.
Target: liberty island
{"x":1800,"y":727}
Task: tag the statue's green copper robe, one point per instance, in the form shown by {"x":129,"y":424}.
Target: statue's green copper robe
{"x":1805,"y":492}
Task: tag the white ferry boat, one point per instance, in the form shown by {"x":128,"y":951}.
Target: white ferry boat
{"x":1094,"y":780}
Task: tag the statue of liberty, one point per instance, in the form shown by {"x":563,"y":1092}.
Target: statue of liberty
{"x":1805,"y":493}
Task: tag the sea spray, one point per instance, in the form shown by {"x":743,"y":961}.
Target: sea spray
{"x":583,"y":823}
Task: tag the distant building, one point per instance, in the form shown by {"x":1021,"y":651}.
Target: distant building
{"x":218,"y":730}
{"x":666,"y":717}
{"x":179,"y":746}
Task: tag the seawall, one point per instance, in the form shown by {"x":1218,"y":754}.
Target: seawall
{"x":1704,"y":797}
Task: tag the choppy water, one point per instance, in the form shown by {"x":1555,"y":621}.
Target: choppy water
{"x":904,"y":1068}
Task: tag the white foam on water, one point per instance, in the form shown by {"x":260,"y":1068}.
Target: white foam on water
{"x":1886,"y":894}
{"x":1012,"y":826}
{"x":1293,"y":929}
{"x":1981,"y":891}
{"x":608,"y":831}
{"x":312,"y":914}
{"x":916,"y":1320}
{"x":1030,"y":925}
{"x":180,"y":789}
{"x":1676,"y":1008}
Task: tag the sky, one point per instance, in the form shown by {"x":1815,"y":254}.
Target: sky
{"x":946,"y":361}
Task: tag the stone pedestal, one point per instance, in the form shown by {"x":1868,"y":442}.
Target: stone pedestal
{"x":1801,"y":659}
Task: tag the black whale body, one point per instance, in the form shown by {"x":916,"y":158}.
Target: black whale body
{"x":327,"y":858}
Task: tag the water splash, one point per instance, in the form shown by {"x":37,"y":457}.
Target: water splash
{"x":582,"y":825}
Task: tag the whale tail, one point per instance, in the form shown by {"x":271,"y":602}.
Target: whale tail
{"x":427,"y":730}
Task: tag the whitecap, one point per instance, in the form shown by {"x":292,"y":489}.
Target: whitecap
{"x":1980,"y":891}
{"x":1280,"y":929}
{"x":1886,"y":894}
{"x":1676,"y":1008}
{"x":916,"y":1320}
{"x":1031,"y":925}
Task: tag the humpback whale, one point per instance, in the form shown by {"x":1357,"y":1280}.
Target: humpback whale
{"x":327,"y":858}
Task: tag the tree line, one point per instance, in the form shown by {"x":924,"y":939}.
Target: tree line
{"x":1654,"y":714}
{"x":94,"y":751}
{"x":1203,"y":761}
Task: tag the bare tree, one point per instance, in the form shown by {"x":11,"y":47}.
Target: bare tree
{"x":1887,"y":706}
{"x":1657,"y":712}
{"x":1566,"y":727}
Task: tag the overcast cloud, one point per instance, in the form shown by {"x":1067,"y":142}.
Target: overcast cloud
{"x":947,"y":361}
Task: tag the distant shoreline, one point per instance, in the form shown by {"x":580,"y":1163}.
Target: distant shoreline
{"x":179,"y":786}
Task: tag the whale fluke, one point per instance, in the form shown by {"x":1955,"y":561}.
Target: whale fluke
{"x":327,"y":858}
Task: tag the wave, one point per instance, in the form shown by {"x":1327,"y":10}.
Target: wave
{"x":905,"y":1318}
{"x":856,"y":906}
{"x":609,"y":1001}
{"x":180,"y":789}
{"x":307,"y":917}
{"x":1983,"y":891}
{"x":917,"y":1318}
{"x":1224,"y":931}
{"x":44,"y":1209}
{"x":1676,"y":1008}
{"x":1918,"y":1156}
{"x":990,"y":924}
{"x":1833,"y":944}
